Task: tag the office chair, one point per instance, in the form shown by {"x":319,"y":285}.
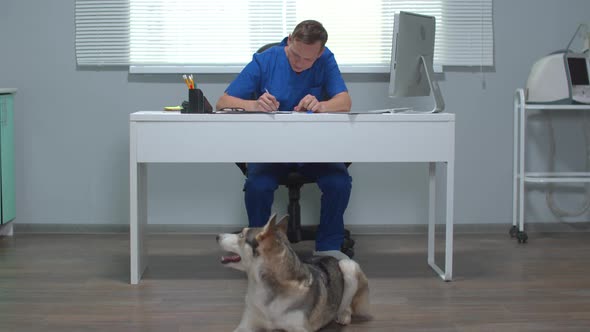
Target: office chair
{"x":294,"y":181}
{"x":295,"y":231}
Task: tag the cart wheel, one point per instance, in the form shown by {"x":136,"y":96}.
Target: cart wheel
{"x":513,"y":231}
{"x":522,"y":237}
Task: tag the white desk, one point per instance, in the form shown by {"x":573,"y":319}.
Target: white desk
{"x":166,"y":137}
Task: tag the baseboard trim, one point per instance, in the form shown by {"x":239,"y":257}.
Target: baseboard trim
{"x":7,"y":229}
{"x":356,"y":229}
{"x":70,"y":228}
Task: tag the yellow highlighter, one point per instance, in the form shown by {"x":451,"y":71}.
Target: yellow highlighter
{"x":172,"y":108}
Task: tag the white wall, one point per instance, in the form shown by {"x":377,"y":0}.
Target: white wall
{"x":71,"y":128}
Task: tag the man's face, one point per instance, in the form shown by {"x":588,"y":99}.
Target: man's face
{"x":302,"y":56}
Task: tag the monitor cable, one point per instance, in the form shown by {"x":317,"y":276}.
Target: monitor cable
{"x":549,"y":195}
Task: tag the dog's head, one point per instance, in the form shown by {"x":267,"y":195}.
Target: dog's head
{"x":252,"y":244}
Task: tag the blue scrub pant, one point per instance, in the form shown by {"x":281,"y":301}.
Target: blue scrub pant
{"x":333,"y":180}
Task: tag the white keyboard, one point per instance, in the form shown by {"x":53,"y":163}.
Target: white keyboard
{"x":394,"y":110}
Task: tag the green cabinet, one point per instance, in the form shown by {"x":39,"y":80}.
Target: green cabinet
{"x":8,"y":206}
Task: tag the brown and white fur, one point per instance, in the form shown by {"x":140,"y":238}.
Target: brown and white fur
{"x":285,"y":293}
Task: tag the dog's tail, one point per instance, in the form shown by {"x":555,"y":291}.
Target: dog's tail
{"x":360,"y":301}
{"x":355,"y":298}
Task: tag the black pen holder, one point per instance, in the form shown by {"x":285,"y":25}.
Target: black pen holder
{"x":197,"y":102}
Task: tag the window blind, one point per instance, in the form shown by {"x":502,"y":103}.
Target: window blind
{"x":102,"y":33}
{"x":222,"y":35}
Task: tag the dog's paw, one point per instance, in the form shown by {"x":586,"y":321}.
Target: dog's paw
{"x":343,"y":317}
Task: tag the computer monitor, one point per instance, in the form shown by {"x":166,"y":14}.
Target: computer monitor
{"x":412,"y":54}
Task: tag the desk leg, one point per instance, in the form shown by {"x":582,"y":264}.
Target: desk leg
{"x":447,"y":274}
{"x":137,"y":213}
{"x":449,"y":219}
{"x":431,"y":212}
{"x":138,"y":224}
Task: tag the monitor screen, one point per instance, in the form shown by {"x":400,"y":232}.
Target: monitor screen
{"x":578,"y":71}
{"x":413,"y":36}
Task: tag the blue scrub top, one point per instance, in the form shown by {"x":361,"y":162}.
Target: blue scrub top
{"x":271,"y":70}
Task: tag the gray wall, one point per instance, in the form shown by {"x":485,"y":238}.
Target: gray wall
{"x":71,"y":130}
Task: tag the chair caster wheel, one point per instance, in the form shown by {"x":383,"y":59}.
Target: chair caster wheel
{"x":348,"y":243}
{"x":348,"y":251}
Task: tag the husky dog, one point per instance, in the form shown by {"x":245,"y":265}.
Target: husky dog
{"x":285,"y":293}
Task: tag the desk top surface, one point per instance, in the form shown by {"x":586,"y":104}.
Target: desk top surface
{"x":168,"y":116}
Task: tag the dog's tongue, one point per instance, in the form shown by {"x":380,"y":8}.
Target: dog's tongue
{"x":230,"y":259}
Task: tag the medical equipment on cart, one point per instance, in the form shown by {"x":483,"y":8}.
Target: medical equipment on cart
{"x":562,"y":77}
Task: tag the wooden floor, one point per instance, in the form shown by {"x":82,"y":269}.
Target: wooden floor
{"x":52,"y":282}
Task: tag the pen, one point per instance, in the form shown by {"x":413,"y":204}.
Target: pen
{"x":265,"y":89}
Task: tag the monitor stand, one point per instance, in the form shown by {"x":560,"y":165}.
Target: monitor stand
{"x":439,"y":103}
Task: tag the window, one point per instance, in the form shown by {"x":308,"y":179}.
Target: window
{"x":222,"y":35}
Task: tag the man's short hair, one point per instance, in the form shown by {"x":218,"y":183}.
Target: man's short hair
{"x":310,"y":32}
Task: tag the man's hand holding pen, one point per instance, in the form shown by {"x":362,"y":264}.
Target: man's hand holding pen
{"x":267,"y":102}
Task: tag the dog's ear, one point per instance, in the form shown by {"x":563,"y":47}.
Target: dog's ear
{"x":283,"y":224}
{"x":268,"y":228}
{"x":272,"y":221}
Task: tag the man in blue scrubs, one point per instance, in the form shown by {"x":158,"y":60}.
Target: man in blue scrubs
{"x":298,"y":75}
